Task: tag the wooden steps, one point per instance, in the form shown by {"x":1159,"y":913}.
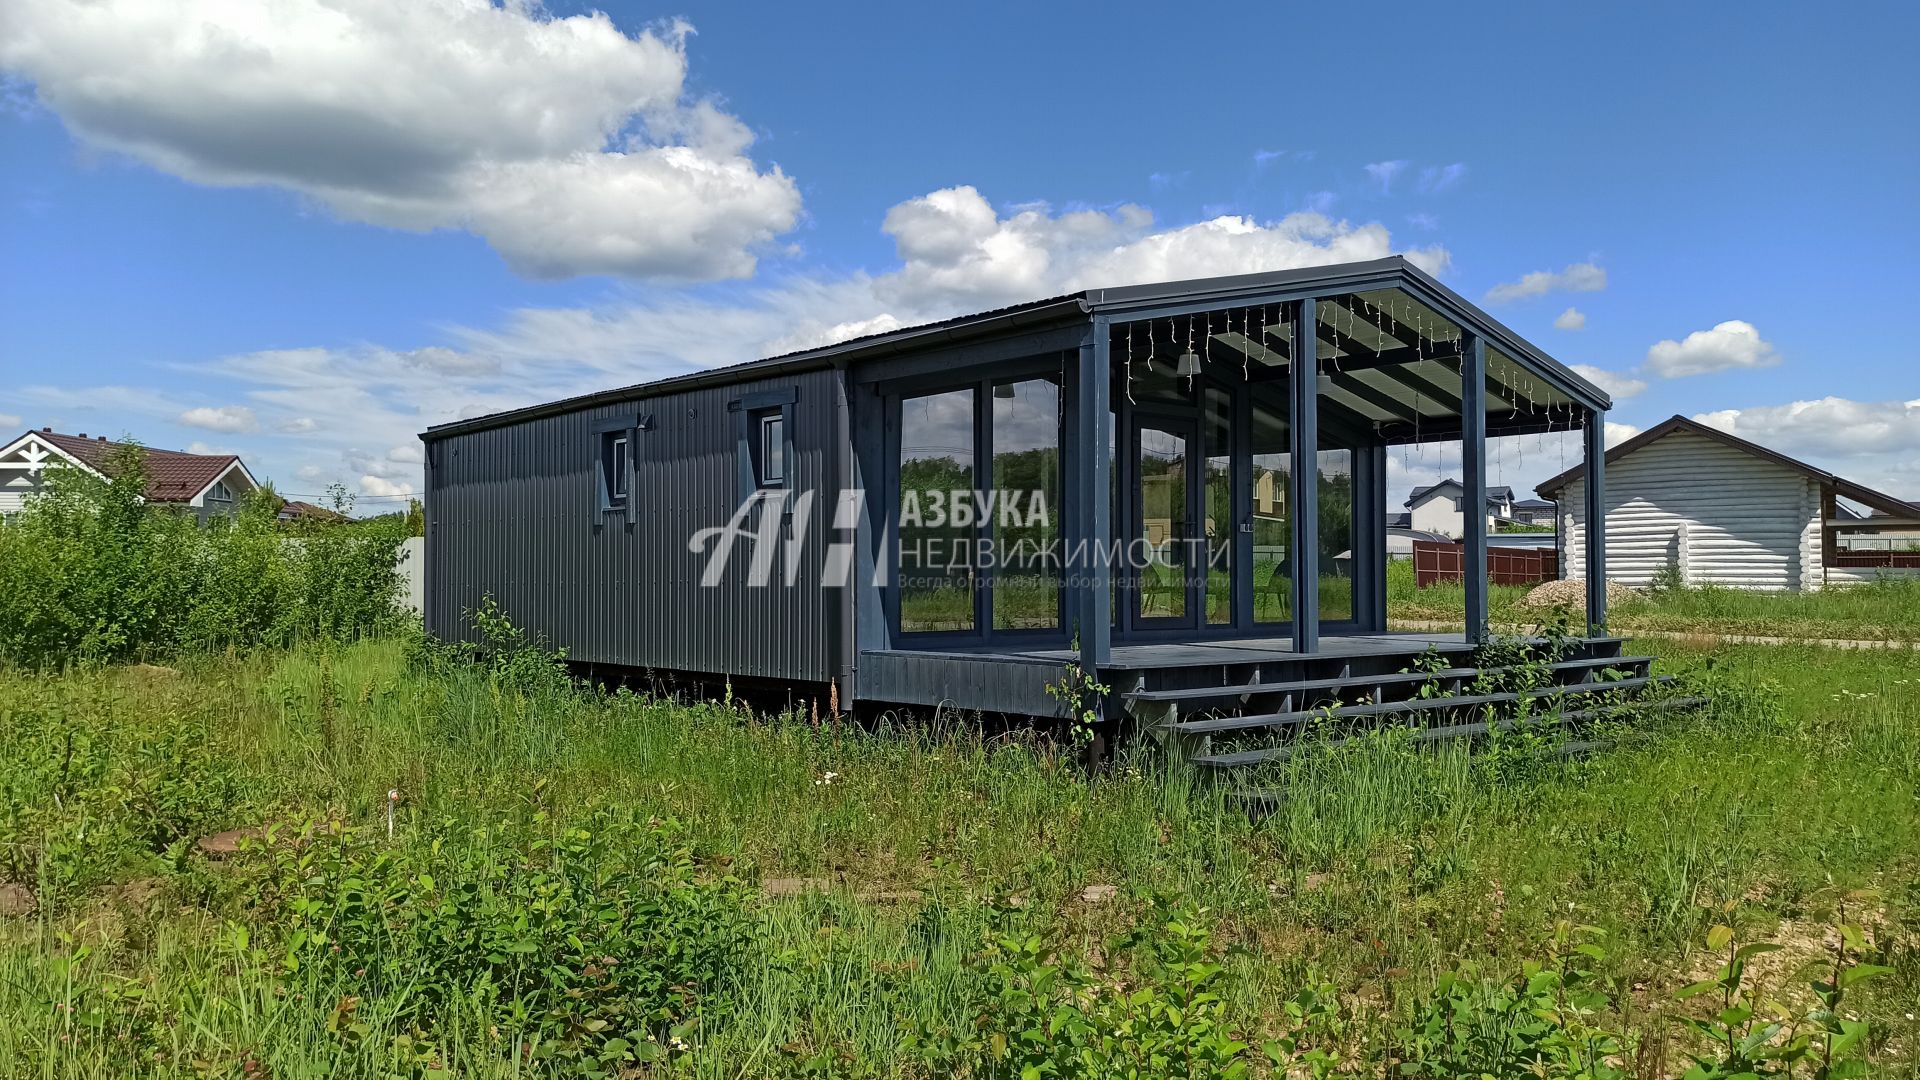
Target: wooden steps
{"x":1411,"y":706}
{"x":1240,"y":692}
{"x":1442,"y":733}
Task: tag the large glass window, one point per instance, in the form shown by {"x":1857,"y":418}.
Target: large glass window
{"x":1026,"y":505}
{"x":1335,"y":496}
{"x":1272,"y":522}
{"x":1217,"y":508}
{"x":937,"y":527}
{"x":1162,"y":466}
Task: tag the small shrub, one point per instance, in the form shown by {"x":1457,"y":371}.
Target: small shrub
{"x":1043,"y":1015}
{"x":1544,"y":1023}
{"x":90,"y":794}
{"x":593,"y":948}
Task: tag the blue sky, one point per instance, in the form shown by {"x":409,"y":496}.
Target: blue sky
{"x":306,"y":235}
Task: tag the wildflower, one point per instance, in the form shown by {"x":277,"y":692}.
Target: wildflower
{"x":826,"y":778}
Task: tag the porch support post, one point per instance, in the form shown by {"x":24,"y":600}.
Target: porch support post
{"x":1370,"y":538}
{"x":1304,"y":484}
{"x":1596,"y":538}
{"x":1473,"y":468}
{"x":1092,"y":510}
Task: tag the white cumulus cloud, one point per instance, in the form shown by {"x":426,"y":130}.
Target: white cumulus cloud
{"x":568,"y":145}
{"x":232,"y":419}
{"x":360,"y":407}
{"x":1728,"y":346}
{"x":1570,"y":319}
{"x":380,"y":485}
{"x":1876,"y":443}
{"x":1576,"y":277}
{"x":1831,"y":425}
{"x":1618,"y":433}
{"x":1619,"y":387}
{"x":958,"y":251}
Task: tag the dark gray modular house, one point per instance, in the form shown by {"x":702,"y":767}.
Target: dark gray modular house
{"x":948,"y":514}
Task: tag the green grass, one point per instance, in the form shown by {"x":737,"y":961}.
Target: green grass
{"x":1383,"y":870}
{"x":1884,"y":610}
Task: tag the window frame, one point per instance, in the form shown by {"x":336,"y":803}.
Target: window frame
{"x":750,"y":412}
{"x":771,"y":425}
{"x":607,"y":434}
{"x":981,"y":379}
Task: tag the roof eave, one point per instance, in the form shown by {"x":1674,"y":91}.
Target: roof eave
{"x":862,"y":349}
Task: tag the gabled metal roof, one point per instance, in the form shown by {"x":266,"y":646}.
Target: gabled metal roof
{"x":1866,"y":496}
{"x":1119,"y":305}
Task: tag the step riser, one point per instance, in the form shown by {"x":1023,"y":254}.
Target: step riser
{"x":1311,"y":668}
{"x":1394,"y":686}
{"x":1441,"y":731}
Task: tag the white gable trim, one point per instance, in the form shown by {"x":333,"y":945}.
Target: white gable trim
{"x":200,"y":497}
{"x":32,"y":442}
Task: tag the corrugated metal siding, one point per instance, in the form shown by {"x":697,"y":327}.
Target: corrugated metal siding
{"x":1724,"y":517}
{"x":511,"y":513}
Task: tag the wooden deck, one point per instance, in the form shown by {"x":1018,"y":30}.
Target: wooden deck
{"x":1007,"y":680}
{"x":1232,"y":704}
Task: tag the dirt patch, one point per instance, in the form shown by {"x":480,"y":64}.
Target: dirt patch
{"x":16,"y":901}
{"x":221,"y":845}
{"x":1098,"y":894}
{"x":141,"y":893}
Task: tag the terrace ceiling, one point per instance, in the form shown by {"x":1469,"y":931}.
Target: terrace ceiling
{"x":1387,"y":362}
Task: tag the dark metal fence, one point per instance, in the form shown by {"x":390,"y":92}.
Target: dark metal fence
{"x":1883,"y":560}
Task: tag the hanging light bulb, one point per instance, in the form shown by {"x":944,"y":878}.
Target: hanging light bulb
{"x":1189,"y":360}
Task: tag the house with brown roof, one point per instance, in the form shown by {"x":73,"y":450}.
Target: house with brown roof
{"x":207,"y":484}
{"x":295,"y":510}
{"x":1711,"y":508}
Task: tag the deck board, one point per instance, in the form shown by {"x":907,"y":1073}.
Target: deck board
{"x":1010,"y":679}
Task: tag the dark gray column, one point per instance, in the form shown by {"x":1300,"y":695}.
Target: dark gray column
{"x":1473,"y":469}
{"x":1370,"y":538}
{"x":1304,"y":484}
{"x":1091,"y":509}
{"x":1596,"y":538}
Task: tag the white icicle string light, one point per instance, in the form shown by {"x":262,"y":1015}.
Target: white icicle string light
{"x":1130,"y":400}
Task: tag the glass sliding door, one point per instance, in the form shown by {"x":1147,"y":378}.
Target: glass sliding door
{"x":1025,"y":505}
{"x":1337,"y":554}
{"x":1161,"y":555}
{"x":1216,"y":507}
{"x":936,"y":544}
{"x":1271,"y":472}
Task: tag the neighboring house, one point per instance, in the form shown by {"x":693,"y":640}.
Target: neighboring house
{"x":207,"y":484}
{"x":1725,"y":511}
{"x":295,"y":510}
{"x":1534,"y":512}
{"x":1878,"y":531}
{"x":1436,"y":508}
